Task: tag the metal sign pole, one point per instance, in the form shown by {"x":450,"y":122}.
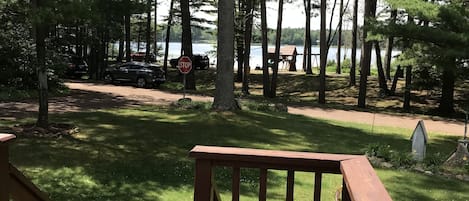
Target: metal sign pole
{"x":465,"y":128}
{"x":184,"y":88}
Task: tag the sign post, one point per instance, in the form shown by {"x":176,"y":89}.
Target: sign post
{"x":184,"y":66}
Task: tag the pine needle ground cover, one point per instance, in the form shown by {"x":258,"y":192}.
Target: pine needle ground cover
{"x":142,"y":154}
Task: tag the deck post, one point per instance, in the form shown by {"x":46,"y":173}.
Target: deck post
{"x":345,"y":195}
{"x":203,"y":180}
{"x":317,"y":186}
{"x":4,"y":167}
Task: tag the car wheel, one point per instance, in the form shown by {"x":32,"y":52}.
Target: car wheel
{"x":141,"y":82}
{"x":108,"y":78}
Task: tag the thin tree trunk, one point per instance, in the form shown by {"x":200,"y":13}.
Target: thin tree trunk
{"x":247,"y":46}
{"x":307,"y":46}
{"x":139,"y":33}
{"x":148,"y":32}
{"x":127,"y":34}
{"x":224,"y":94}
{"x":168,"y":32}
{"x":120,"y":55}
{"x":155,"y":29}
{"x":239,"y":41}
{"x":323,"y":56}
{"x":273,"y":86}
{"x":41,"y":69}
{"x":408,"y":87}
{"x":265,"y":67}
{"x":381,"y":78}
{"x":338,"y":69}
{"x":370,"y":7}
{"x":389,"y":46}
{"x":353,"y":66}
{"x":187,"y":41}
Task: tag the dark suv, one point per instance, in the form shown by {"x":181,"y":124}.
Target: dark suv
{"x":142,"y":74}
{"x":199,"y":61}
{"x":76,"y":67}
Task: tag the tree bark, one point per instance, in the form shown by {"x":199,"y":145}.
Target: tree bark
{"x":168,"y":32}
{"x":265,"y":67}
{"x":40,"y":30}
{"x":389,"y":46}
{"x":338,"y":69}
{"x":224,"y":92}
{"x":370,"y":8}
{"x":155,"y":29}
{"x":240,"y":40}
{"x":307,"y":47}
{"x":381,"y":78}
{"x":187,"y":41}
{"x":273,"y":86}
{"x":127,"y":33}
{"x":408,"y":88}
{"x":323,"y":56}
{"x":353,"y":66}
{"x":148,"y":32}
{"x":448,"y":78}
{"x":120,"y":55}
{"x":247,"y":46}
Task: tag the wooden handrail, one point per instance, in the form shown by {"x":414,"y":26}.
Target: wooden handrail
{"x":360,"y":180}
{"x":13,"y":184}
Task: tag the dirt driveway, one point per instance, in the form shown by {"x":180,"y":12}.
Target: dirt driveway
{"x":86,"y":96}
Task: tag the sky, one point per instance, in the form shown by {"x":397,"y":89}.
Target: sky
{"x":293,"y":15}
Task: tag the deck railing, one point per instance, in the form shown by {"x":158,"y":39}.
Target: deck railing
{"x":360,"y":182}
{"x":13,"y":184}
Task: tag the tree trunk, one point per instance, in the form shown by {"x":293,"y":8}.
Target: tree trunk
{"x":127,"y":34}
{"x":353,"y":66}
{"x":120,"y":55}
{"x":265,"y":67}
{"x":307,"y":47}
{"x":247,"y":46}
{"x":41,"y":69}
{"x":239,"y":41}
{"x":370,"y":7}
{"x":408,"y":87}
{"x":323,"y":56}
{"x":448,"y":77}
{"x":398,"y":74}
{"x":155,"y":30}
{"x":338,"y":69}
{"x":389,"y":46}
{"x":187,"y":41}
{"x":381,"y":78}
{"x":148,"y":32}
{"x":224,"y":92}
{"x":168,"y":32}
{"x":273,"y":86}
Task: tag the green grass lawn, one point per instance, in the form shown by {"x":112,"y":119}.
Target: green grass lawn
{"x":142,"y":154}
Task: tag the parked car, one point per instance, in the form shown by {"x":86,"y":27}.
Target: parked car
{"x":76,"y":67}
{"x":140,"y":56}
{"x":199,"y":61}
{"x":142,"y":74}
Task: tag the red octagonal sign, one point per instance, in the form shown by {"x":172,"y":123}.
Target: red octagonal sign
{"x":185,"y":64}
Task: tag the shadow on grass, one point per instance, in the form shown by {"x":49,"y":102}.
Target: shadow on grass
{"x":142,"y":153}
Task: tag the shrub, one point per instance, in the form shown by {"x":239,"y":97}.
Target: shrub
{"x":404,"y":160}
{"x":379,"y":150}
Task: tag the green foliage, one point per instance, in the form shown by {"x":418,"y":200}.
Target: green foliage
{"x":434,"y":160}
{"x":379,"y":150}
{"x":402,"y":159}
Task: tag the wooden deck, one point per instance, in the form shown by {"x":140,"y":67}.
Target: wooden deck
{"x":360,"y":180}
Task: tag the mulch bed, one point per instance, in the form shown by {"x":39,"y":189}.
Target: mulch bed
{"x":55,"y":130}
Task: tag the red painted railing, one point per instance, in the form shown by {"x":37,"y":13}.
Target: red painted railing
{"x":360,"y":182}
{"x":13,"y":184}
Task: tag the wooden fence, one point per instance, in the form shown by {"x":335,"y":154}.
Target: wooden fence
{"x":13,"y":184}
{"x":360,"y":182}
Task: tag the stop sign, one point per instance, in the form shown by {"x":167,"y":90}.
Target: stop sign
{"x":185,"y":64}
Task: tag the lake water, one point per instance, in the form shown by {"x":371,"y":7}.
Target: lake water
{"x":256,"y":53}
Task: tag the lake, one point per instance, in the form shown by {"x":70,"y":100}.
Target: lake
{"x":256,"y":53}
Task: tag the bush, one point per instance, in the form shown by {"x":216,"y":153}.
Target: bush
{"x":347,"y":63}
{"x":379,"y":150}
{"x":434,"y":160}
{"x":405,"y":160}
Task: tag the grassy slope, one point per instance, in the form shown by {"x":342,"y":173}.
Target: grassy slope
{"x":141,"y":154}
